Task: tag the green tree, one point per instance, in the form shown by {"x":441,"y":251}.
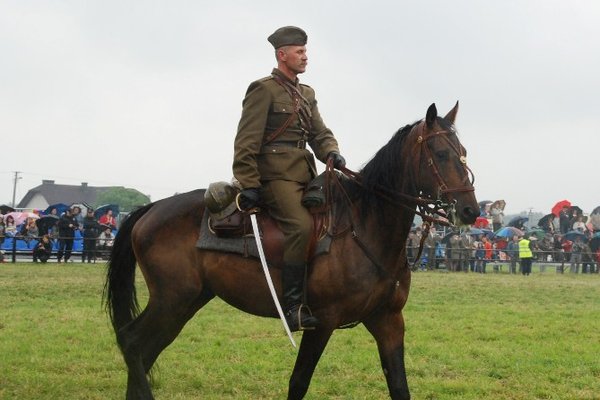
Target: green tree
{"x":127,"y":199}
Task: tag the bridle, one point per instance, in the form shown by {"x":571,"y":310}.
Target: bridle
{"x":423,"y":143}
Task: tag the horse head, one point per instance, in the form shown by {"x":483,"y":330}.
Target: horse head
{"x":439,"y":163}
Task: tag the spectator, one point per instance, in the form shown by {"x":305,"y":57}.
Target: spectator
{"x":412,"y":244}
{"x":564,"y":221}
{"x":76,"y":211}
{"x":487,"y":247}
{"x":497,"y":216}
{"x":30,"y":230}
{"x":479,"y":255}
{"x":525,"y":255}
{"x":10,"y":229}
{"x":595,"y":221}
{"x":66,"y":232}
{"x":512,"y":251}
{"x":429,"y":247}
{"x":91,"y":229}
{"x":579,"y":225}
{"x":106,"y":240}
{"x":466,"y":251}
{"x":108,"y":219}
{"x":576,"y":253}
{"x":43,"y":250}
{"x":453,"y":251}
{"x":587,"y":260}
{"x":2,"y":234}
{"x":546,"y":223}
{"x":558,"y":254}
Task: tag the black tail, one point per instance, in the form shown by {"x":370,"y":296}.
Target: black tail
{"x":119,"y":290}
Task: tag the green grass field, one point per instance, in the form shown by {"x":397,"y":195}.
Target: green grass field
{"x":469,"y":336}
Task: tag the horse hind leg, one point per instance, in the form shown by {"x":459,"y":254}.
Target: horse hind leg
{"x":150,"y":333}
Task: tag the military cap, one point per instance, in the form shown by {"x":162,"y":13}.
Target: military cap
{"x":288,"y":36}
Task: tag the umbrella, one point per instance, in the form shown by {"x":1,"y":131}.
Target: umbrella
{"x":4,"y":209}
{"x":481,"y":222}
{"x":475,"y":231}
{"x":546,"y":220}
{"x":46,"y":222}
{"x":484,"y":206}
{"x":536,"y":233}
{"x":498,"y":204}
{"x":20,"y":217}
{"x":508,"y":232}
{"x":574,"y":210}
{"x":446,"y":238}
{"x":60,"y":208}
{"x":478,"y":232}
{"x":100,"y":211}
{"x":572,"y":235}
{"x":518,"y":222}
{"x":559,"y":206}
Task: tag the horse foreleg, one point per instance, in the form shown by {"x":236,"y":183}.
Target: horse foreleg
{"x":312,"y":346}
{"x":388,"y":330}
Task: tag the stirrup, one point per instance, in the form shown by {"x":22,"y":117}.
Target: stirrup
{"x":309,"y":316}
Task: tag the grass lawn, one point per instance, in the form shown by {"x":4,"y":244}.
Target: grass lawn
{"x":469,"y":336}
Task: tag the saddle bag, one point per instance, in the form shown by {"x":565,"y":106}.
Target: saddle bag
{"x":225,"y":219}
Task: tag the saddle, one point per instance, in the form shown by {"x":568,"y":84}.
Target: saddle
{"x":231,"y":230}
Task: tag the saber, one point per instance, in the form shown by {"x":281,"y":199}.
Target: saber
{"x":263,"y":261}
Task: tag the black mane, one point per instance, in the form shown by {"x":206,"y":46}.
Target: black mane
{"x":381,"y":172}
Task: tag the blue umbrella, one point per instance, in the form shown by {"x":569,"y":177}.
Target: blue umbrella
{"x":100,"y":211}
{"x":573,"y":235}
{"x":508,"y":232}
{"x":477,"y":232}
{"x":60,"y":208}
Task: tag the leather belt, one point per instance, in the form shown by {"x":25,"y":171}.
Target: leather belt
{"x":299,"y":144}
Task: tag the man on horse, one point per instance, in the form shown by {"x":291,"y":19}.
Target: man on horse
{"x":271,"y":162}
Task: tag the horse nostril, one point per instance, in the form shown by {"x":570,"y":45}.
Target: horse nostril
{"x":470,"y":213}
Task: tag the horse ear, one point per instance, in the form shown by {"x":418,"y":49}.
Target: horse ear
{"x":451,"y":116}
{"x":431,"y":115}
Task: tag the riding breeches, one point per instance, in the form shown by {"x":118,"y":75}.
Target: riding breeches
{"x":283,"y":198}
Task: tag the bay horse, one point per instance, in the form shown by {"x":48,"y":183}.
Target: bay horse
{"x":365,"y":277}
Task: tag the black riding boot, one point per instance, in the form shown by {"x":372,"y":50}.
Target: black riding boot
{"x":297,"y":315}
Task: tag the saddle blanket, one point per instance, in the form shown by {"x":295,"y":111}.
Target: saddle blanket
{"x":246,"y":246}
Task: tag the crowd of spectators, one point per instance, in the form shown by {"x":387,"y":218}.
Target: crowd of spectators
{"x":566,"y":236}
{"x":51,"y":232}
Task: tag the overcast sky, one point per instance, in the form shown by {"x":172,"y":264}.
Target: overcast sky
{"x":147,"y":94}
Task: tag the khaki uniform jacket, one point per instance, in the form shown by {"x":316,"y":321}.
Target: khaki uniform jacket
{"x":265,"y":109}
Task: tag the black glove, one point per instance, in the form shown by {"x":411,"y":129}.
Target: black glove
{"x":338,"y":161}
{"x":249,"y":198}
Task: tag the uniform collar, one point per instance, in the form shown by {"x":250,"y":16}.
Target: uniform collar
{"x":284,"y":77}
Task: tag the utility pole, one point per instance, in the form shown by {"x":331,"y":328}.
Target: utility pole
{"x":17,"y":177}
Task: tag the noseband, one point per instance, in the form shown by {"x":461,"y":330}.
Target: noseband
{"x":423,"y":143}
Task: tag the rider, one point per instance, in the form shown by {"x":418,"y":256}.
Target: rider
{"x":271,"y":162}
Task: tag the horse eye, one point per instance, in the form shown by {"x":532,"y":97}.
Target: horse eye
{"x":442,"y":154}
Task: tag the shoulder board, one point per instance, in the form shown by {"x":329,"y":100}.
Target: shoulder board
{"x":305,"y":85}
{"x":266,"y":79}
